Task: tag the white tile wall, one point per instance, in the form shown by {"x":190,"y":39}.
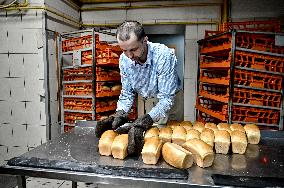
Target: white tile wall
{"x":190,"y":67}
{"x":189,"y":97}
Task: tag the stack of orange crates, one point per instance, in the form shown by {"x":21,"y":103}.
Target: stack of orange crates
{"x":90,"y":89}
{"x":240,"y":76}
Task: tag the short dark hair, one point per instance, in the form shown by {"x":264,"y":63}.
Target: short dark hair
{"x":127,"y":27}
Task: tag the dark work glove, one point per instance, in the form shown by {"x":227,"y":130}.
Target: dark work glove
{"x":136,"y":136}
{"x":120,"y":117}
{"x":103,"y":125}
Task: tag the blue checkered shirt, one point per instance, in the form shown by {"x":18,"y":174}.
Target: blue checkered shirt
{"x":157,"y":77}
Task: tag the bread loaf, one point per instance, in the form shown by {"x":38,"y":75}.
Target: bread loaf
{"x":211,"y":126}
{"x":224,"y":126}
{"x":151,"y":150}
{"x":222,"y":141}
{"x":203,"y":154}
{"x":239,"y":142}
{"x":179,"y":135}
{"x":198,"y":126}
{"x":151,"y":133}
{"x":237,"y":127}
{"x":119,"y":146}
{"x":177,"y":156}
{"x":253,"y":133}
{"x":173,"y":122}
{"x":186,"y":124}
{"x":106,"y":141}
{"x":191,"y":134}
{"x":165,"y":134}
{"x":116,"y":88}
{"x":207,"y":136}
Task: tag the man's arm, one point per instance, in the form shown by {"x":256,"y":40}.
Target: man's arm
{"x":127,"y":95}
{"x":168,"y":83}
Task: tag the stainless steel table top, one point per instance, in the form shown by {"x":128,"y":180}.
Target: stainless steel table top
{"x":74,"y":155}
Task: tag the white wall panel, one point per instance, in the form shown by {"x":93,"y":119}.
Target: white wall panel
{"x":17,"y":89}
{"x":5,"y":66}
{"x":191,"y":31}
{"x":113,"y":16}
{"x":33,"y":111}
{"x":5,"y":90}
{"x":64,"y":8}
{"x":257,"y":9}
{"x":189,"y":98}
{"x":36,"y":135}
{"x":18,"y":113}
{"x":17,"y":68}
{"x":7,"y":131}
{"x":3,"y":37}
{"x":190,"y":65}
{"x":30,"y":19}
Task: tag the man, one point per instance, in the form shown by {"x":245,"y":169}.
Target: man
{"x":148,"y":69}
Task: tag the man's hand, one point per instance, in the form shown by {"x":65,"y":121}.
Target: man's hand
{"x":103,"y":125}
{"x":136,"y":136}
{"x":120,"y":117}
{"x":112,"y":122}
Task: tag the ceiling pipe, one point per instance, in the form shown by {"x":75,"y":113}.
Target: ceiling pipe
{"x":45,"y":8}
{"x":154,"y":23}
{"x":225,"y":11}
{"x":148,"y":6}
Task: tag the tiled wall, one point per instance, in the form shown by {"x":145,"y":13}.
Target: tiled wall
{"x":23,"y":78}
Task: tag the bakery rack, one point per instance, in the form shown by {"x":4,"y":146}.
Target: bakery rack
{"x":240,"y":78}
{"x":90,"y":78}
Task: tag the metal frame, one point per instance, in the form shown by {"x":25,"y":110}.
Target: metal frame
{"x":234,"y":48}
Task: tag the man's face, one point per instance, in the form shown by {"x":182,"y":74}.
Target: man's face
{"x":133,"y":49}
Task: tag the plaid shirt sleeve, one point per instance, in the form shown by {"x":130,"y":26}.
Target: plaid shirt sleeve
{"x":167,"y":85}
{"x":127,"y":95}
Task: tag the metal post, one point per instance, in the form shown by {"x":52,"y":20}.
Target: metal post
{"x":21,"y":180}
{"x":198,"y":78}
{"x":232,"y":69}
{"x":74,"y":184}
{"x":94,"y":65}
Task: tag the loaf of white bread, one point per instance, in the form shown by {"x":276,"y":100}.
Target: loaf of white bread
{"x":191,"y":134}
{"x":211,"y":126}
{"x":165,"y":134}
{"x":198,"y":126}
{"x":186,"y":124}
{"x":207,"y":136}
{"x":222,"y":141}
{"x":224,"y":126}
{"x":106,"y":141}
{"x":203,"y":154}
{"x":119,"y":146}
{"x":151,"y":133}
{"x":177,"y":156}
{"x":239,"y":142}
{"x":237,"y":127}
{"x":151,"y":150}
{"x":179,"y":135}
{"x":253,"y":133}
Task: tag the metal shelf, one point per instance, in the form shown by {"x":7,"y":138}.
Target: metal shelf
{"x":262,"y":124}
{"x":78,"y":96}
{"x":80,"y":111}
{"x":256,"y":106}
{"x":259,"y":52}
{"x":256,"y":88}
{"x":72,"y":67}
{"x":77,"y":81}
{"x":258,"y":70}
{"x":82,"y":50}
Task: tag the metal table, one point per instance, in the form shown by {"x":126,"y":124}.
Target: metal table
{"x":74,"y":156}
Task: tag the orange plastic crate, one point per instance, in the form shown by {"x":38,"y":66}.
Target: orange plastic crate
{"x":258,"y":61}
{"x":106,"y":89}
{"x":78,"y":104}
{"x":104,"y":74}
{"x":258,"y":79}
{"x":68,"y":128}
{"x":70,"y":117}
{"x":239,"y":113}
{"x":76,"y":43}
{"x":265,"y":25}
{"x":78,"y":89}
{"x":215,"y":76}
{"x":82,"y":73}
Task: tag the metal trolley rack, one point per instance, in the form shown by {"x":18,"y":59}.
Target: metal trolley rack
{"x":240,"y":78}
